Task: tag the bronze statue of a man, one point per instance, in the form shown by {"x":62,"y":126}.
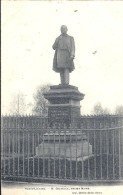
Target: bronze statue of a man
{"x":64,"y":47}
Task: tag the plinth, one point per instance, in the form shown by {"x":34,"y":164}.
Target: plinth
{"x":64,"y":104}
{"x":64,"y":142}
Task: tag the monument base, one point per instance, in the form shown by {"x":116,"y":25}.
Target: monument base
{"x":64,"y":104}
{"x":64,"y":145}
{"x":64,"y":111}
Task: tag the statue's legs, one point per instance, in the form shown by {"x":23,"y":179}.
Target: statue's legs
{"x":64,"y":74}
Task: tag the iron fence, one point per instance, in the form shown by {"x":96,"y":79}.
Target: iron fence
{"x":38,"y":152}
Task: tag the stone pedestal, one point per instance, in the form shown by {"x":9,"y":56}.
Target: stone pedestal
{"x":64,"y":104}
{"x":70,"y":145}
{"x":64,"y":111}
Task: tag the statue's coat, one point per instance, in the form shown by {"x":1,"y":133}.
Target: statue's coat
{"x":64,"y":47}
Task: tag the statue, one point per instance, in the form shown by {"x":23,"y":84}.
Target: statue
{"x":64,"y":47}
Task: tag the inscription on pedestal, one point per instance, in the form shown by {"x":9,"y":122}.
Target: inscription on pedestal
{"x":64,"y":107}
{"x":59,"y":114}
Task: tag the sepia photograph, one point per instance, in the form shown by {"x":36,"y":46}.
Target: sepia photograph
{"x":61,"y":97}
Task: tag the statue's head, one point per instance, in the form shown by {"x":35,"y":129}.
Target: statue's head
{"x":64,"y":29}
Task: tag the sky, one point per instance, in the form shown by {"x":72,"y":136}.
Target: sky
{"x":29,"y":29}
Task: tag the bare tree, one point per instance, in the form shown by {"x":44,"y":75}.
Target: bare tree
{"x":119,"y":110}
{"x":18,"y":105}
{"x":99,"y":110}
{"x":40,"y":103}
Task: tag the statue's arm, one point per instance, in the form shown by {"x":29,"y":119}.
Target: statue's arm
{"x":72,"y":48}
{"x":55,"y":45}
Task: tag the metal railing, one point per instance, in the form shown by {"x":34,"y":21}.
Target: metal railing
{"x":87,"y":121}
{"x":72,"y":154}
